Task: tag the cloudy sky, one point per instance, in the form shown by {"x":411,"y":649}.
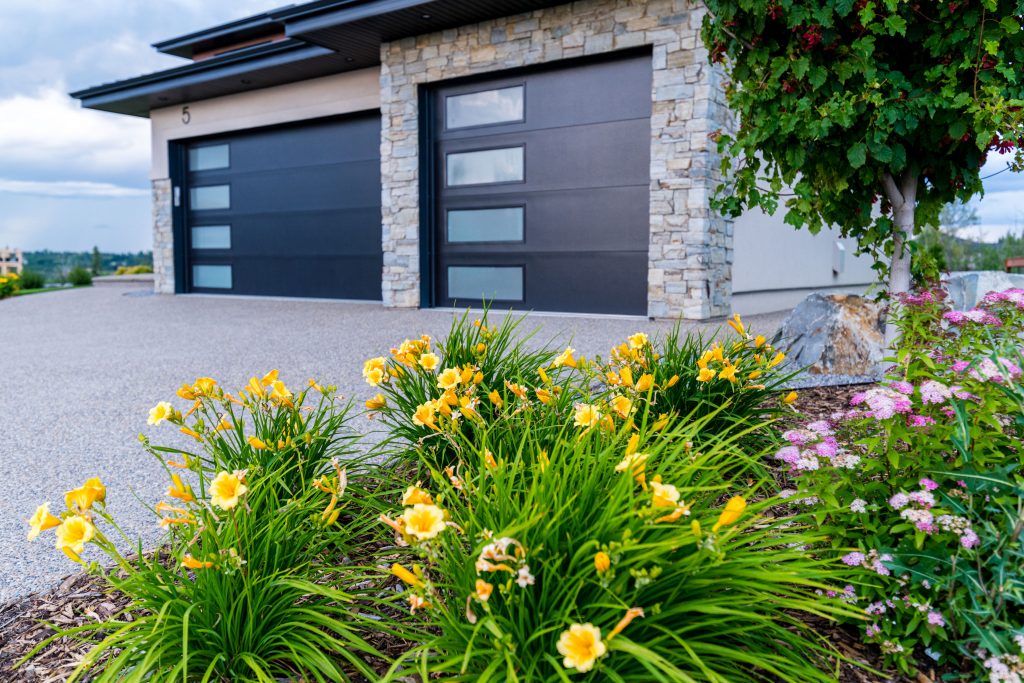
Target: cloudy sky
{"x":72,"y":178}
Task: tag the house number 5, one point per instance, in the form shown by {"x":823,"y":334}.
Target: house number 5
{"x":185,"y":115}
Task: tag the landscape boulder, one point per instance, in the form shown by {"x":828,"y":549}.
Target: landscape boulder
{"x":966,"y":288}
{"x":835,"y":334}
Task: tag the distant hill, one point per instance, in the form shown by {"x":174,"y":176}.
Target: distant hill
{"x":54,"y":265}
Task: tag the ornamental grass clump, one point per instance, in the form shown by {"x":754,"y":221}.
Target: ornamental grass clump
{"x":619,"y":556}
{"x":920,"y":485}
{"x":243,"y":586}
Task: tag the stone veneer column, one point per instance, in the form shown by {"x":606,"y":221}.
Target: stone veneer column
{"x":163,"y":238}
{"x":690,"y":248}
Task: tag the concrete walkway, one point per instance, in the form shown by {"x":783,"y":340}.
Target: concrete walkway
{"x":81,"y":368}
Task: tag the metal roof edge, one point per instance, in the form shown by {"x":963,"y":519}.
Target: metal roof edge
{"x":180,"y":46}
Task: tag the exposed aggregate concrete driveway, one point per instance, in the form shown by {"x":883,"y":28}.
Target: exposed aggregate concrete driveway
{"x":81,"y":368}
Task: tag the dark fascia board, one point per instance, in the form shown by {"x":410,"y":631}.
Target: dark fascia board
{"x":131,"y":96}
{"x":232,"y":31}
{"x":314,"y":16}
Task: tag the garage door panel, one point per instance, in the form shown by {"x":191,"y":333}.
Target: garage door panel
{"x":595,"y":155}
{"x":316,"y":188}
{"x":584,"y":282}
{"x":554,"y":219}
{"x":553,"y":101}
{"x":304,"y":212}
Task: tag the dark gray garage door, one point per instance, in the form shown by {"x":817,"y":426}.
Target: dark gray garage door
{"x":543,"y":189}
{"x":292,"y":211}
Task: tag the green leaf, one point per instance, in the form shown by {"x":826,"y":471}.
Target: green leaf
{"x":1010,"y":25}
{"x":857,"y":155}
{"x":896,"y":24}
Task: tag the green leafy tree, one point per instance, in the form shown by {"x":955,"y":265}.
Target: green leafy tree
{"x":877,"y":113}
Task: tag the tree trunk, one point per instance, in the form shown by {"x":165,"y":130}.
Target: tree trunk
{"x":903,"y":198}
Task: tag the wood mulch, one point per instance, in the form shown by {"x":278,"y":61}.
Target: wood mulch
{"x":82,"y":599}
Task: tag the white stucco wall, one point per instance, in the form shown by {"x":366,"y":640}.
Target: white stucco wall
{"x":776,"y":265}
{"x":328,"y":96}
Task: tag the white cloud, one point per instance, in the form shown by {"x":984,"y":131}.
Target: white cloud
{"x":69,"y":188}
{"x":48,"y":130}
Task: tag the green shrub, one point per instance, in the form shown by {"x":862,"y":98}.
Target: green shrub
{"x":133,"y":270}
{"x":923,"y":479}
{"x":32,"y":280}
{"x":80,"y":277}
{"x":526,"y":553}
{"x":9,"y":285}
{"x":241,"y":590}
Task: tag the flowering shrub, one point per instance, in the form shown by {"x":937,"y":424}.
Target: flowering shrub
{"x":239,"y":590}
{"x":920,"y":484}
{"x":621,"y":557}
{"x":9,"y":285}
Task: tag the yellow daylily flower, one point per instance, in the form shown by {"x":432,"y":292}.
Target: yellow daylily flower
{"x":280,"y":393}
{"x":481,"y":348}
{"x":759,"y":341}
{"x":631,"y":614}
{"x":543,"y":395}
{"x":602,"y":562}
{"x":186,"y":392}
{"x":637,"y":341}
{"x":543,"y":374}
{"x":204,"y":386}
{"x":790,"y":398}
{"x":423,"y":521}
{"x":73,"y":534}
{"x":227,"y":488}
{"x":424,"y":415}
{"x":82,"y":498}
{"x":626,"y":375}
{"x":705,"y":375}
{"x":449,"y":379}
{"x":496,"y":399}
{"x":621,"y":405}
{"x":257,"y":443}
{"x":483,"y":590}
{"x":586,"y":415}
{"x":672,"y":381}
{"x":737,"y":324}
{"x":191,"y":432}
{"x":178,"y":490}
{"x":645,"y":382}
{"x":581,"y":646}
{"x":663,"y":495}
{"x":415,"y":495}
{"x":754,"y":374}
{"x":269,"y":378}
{"x":728,"y":372}
{"x":405,"y":575}
{"x":160,"y":412}
{"x":779,"y":357}
{"x":429,"y":361}
{"x":192,"y":563}
{"x":255,"y":388}
{"x":41,"y":521}
{"x":733,"y":509}
{"x":565,"y":358}
{"x":373,"y":370}
{"x":376,"y":403}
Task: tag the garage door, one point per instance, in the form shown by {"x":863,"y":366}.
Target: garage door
{"x":543,"y":189}
{"x":291,"y":211}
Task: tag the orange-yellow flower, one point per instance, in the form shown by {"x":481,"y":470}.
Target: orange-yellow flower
{"x":581,"y":646}
{"x":373,"y":370}
{"x":73,"y":534}
{"x":41,"y":521}
{"x":226,"y":489}
{"x":160,"y":412}
{"x":759,"y":341}
{"x":280,"y":393}
{"x":779,"y":357}
{"x":733,"y":509}
{"x":191,"y":432}
{"x":204,"y":386}
{"x":178,"y":490}
{"x":663,"y":495}
{"x":257,"y":443}
{"x":483,"y":590}
{"x":82,"y":498}
{"x":376,"y":403}
{"x":415,"y":495}
{"x":754,"y":374}
{"x":496,"y":399}
{"x":790,"y":398}
{"x":626,"y":376}
{"x":645,"y":382}
{"x":405,"y":575}
{"x":621,"y":405}
{"x":429,"y":361}
{"x":423,"y":521}
{"x":586,"y":415}
{"x":728,"y":372}
{"x":489,"y":459}
{"x":424,"y":415}
{"x":737,"y":324}
{"x":193,"y":563}
{"x":602,"y":562}
{"x":637,"y":341}
{"x":565,"y":358}
{"x":449,"y":379}
{"x":705,"y":375}
{"x":186,"y":393}
{"x":543,"y":395}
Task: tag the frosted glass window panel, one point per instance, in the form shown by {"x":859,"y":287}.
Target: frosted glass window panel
{"x":486,"y":107}
{"x":207,"y":197}
{"x":209,"y":157}
{"x":486,"y":225}
{"x":487,"y":283}
{"x":211,"y":237}
{"x":212,"y":277}
{"x":503,"y":165}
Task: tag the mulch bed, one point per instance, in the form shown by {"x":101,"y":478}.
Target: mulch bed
{"x":82,"y":599}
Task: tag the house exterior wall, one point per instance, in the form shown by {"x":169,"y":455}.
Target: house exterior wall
{"x":690,"y":248}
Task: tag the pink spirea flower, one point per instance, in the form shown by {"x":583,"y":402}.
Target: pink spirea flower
{"x":827,"y":448}
{"x":969,"y":539}
{"x":882,"y":402}
{"x":799,"y":437}
{"x":935,"y":392}
{"x":925,"y":297}
{"x":935,"y":619}
{"x":920,"y":421}
{"x":997,"y":372}
{"x":928,"y":484}
{"x":872,"y":630}
{"x":858,"y":505}
{"x":853,"y":559}
{"x":905,"y":388}
{"x":822,"y":427}
{"x":960,"y":365}
{"x":899,"y":501}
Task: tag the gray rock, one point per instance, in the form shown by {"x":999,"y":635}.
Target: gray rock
{"x":967,"y":287}
{"x":835,"y":334}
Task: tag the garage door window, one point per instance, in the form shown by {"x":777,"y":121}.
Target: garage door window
{"x":486,"y":225}
{"x":211,"y":277}
{"x":211,"y":237}
{"x":485,"y":283}
{"x":486,"y":166}
{"x":487,"y":107}
{"x":209,"y":157}
{"x":209,"y":197}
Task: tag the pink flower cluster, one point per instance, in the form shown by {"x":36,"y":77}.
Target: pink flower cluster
{"x":999,"y":371}
{"x":915,"y":507}
{"x":975,"y":315}
{"x":884,"y":402}
{"x":1013,"y":296}
{"x":812,"y":447}
{"x":961,"y":526}
{"x":873,"y":560}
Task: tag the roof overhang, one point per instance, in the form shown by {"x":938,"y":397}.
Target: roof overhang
{"x":258,"y":67}
{"x":239,"y":31}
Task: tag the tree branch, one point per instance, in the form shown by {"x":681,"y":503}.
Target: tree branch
{"x":892,"y":191}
